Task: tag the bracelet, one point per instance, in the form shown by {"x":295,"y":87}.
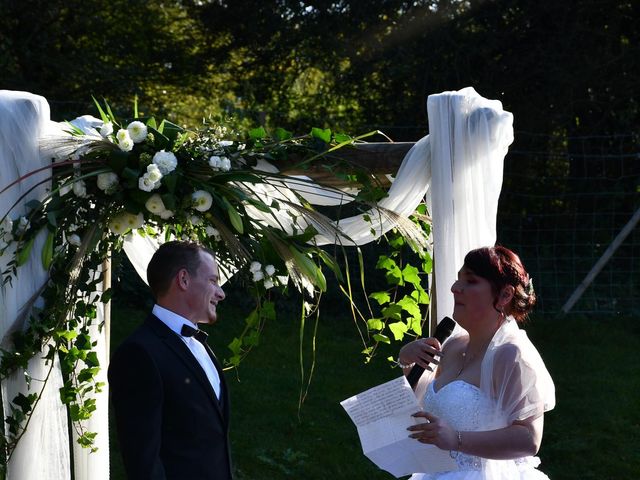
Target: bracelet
{"x":404,"y":365}
{"x":454,"y":453}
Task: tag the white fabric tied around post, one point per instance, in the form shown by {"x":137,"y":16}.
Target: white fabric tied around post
{"x":470,"y":136}
{"x":43,"y":451}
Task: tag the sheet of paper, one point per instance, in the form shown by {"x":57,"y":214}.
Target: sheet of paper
{"x":382,"y":415}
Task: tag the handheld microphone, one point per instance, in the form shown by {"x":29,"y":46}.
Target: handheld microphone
{"x":443,"y":331}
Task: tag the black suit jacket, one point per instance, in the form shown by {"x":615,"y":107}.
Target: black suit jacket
{"x":170,"y":423}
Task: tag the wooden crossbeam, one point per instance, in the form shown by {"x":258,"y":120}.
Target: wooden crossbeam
{"x":378,"y":158}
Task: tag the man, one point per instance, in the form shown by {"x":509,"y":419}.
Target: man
{"x":168,"y":391}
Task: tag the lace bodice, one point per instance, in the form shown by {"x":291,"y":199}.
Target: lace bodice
{"x":459,"y":404}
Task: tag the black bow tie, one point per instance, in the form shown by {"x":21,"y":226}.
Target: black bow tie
{"x":188,"y":331}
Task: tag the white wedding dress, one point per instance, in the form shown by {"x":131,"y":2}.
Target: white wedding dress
{"x":461,"y":405}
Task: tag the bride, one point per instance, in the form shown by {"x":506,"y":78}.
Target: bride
{"x":486,"y":400}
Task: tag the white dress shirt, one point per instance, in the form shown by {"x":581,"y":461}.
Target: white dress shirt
{"x":175,"y":323}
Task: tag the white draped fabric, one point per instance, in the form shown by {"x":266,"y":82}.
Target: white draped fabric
{"x":458,"y":167}
{"x":43,"y":451}
{"x":469,"y":139}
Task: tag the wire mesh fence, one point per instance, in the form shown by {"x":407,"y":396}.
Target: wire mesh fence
{"x":564,"y":201}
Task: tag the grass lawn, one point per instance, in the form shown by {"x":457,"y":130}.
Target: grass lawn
{"x":594,"y":432}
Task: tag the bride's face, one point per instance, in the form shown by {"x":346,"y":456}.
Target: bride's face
{"x":473,"y":298}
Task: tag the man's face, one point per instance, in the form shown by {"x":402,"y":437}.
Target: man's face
{"x":204,"y":291}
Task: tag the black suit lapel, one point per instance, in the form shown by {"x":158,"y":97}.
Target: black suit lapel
{"x":175,"y":343}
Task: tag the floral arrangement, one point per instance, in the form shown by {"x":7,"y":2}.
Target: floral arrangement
{"x":110,"y":178}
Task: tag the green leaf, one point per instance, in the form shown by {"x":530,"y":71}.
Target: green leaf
{"x":257,"y":133}
{"x":393,"y":311}
{"x":381,"y":297}
{"x":309,"y":269}
{"x":322,"y":134}
{"x":23,"y":254}
{"x":415,"y":325}
{"x":385,"y":263}
{"x":152,"y":123}
{"x":342,"y":137}
{"x":235,"y":346}
{"x":170,"y":180}
{"x":103,"y":115}
{"x":234,"y":216}
{"x":47,"y":250}
{"x":34,"y":204}
{"x":411,"y":275}
{"x":282,"y":134}
{"x":409,"y":305}
{"x":398,"y":329}
{"x":379,"y":337}
{"x":375,"y":324}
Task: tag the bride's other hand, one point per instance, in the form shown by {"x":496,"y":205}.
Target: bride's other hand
{"x":435,"y":432}
{"x":421,"y":352}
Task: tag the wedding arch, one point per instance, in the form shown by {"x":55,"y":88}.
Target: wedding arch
{"x":71,"y":193}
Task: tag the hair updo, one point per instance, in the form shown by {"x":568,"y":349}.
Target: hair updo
{"x":500,"y":267}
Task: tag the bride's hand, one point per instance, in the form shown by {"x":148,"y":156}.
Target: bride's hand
{"x":421,"y":352}
{"x":436,"y":432}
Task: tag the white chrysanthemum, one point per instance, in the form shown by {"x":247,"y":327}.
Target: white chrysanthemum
{"x":106,"y":181}
{"x":126,"y":145}
{"x":215,"y":161}
{"x":118,"y":224}
{"x":166,"y":214}
{"x":137,"y":131}
{"x":106,"y":129}
{"x":225,"y":164}
{"x":270,"y":270}
{"x":195,"y":220}
{"x":154,"y":174}
{"x":268,"y":283}
{"x":134,"y":221}
{"x":241,"y":146}
{"x":80,"y":188}
{"x":202,"y":200}
{"x":74,"y":240}
{"x":166,"y":161}
{"x":255,"y":267}
{"x":123,"y":134}
{"x":257,"y":276}
{"x":213,"y":232}
{"x":155,"y":204}
{"x":225,"y":143}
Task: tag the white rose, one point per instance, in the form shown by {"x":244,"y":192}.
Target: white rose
{"x":255,"y":267}
{"x":270,"y":270}
{"x":106,"y":181}
{"x":126,"y":145}
{"x":145,"y":184}
{"x":268,"y":283}
{"x":215,"y":162}
{"x":106,"y":129}
{"x":80,"y":188}
{"x":118,"y":224}
{"x":74,"y":240}
{"x":166,"y":214}
{"x":153,"y":173}
{"x":155,"y":204}
{"x":166,"y":161}
{"x":225,"y":164}
{"x":134,"y":221}
{"x":213,"y":232}
{"x":137,"y":131}
{"x":202,"y":200}
{"x":257,"y":276}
